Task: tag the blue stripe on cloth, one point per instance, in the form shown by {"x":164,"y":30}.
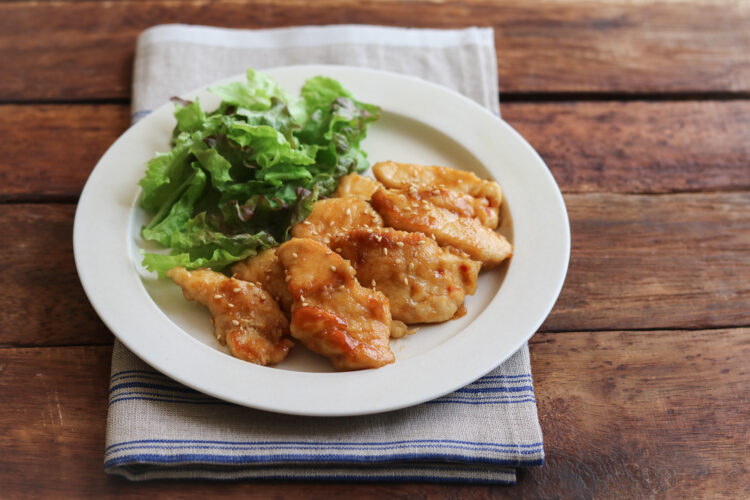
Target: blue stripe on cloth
{"x":148,"y":385}
{"x":154,"y":376}
{"x":168,"y":399}
{"x":486,"y":396}
{"x":280,"y":446}
{"x":324,"y":443}
{"x":486,"y":377}
{"x":469,"y":402}
{"x":473,"y":390}
{"x":299,"y":458}
{"x":179,"y":388}
{"x":139,"y":114}
{"x":521,"y":375}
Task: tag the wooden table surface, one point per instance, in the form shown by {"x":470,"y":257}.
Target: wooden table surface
{"x":642,"y":112}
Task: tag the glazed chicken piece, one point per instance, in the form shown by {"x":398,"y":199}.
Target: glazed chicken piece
{"x":245,"y":317}
{"x":459,"y":203}
{"x":423,"y":282}
{"x":266,"y":270}
{"x":335,"y":215}
{"x":357,"y":186}
{"x":399,"y":329}
{"x":407,"y":211}
{"x":332,"y":314}
{"x":487,"y":196}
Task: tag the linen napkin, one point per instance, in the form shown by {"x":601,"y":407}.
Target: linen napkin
{"x":160,"y":429}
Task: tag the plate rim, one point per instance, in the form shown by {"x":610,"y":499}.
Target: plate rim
{"x":354,"y":380}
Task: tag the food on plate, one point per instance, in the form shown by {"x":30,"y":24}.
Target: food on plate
{"x":334,"y":215}
{"x":399,"y":329}
{"x":459,"y":203}
{"x":366,"y":258}
{"x":358,"y":186}
{"x":245,"y":318}
{"x":237,"y":178}
{"x":265,"y":270}
{"x":424,"y":282}
{"x":332,"y":313}
{"x":487,"y":195}
{"x":411,"y":210}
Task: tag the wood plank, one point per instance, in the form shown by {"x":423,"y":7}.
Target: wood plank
{"x":628,"y":147}
{"x":639,"y":147}
{"x":84,"y":50}
{"x":624,"y":414}
{"x":42,"y":299}
{"x":667,"y":261}
{"x":643,"y":415}
{"x":51,"y":150}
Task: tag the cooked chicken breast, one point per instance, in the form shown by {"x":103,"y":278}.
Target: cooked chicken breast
{"x":245,"y":317}
{"x":335,"y":215}
{"x":357,"y":186}
{"x":266,"y":270}
{"x":332,"y":314}
{"x":459,"y":203}
{"x":398,"y":329}
{"x":488,"y":196}
{"x":407,"y":211}
{"x":424,"y":283}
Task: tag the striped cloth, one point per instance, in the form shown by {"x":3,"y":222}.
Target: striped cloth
{"x":160,"y":429}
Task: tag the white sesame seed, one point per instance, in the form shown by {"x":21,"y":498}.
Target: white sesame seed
{"x":328,"y":252}
{"x":385,"y":251}
{"x":217,"y":296}
{"x":372,"y":283}
{"x":348,"y":211}
{"x":236,"y":290}
{"x":230,"y":304}
{"x":288,"y":279}
{"x":235,"y":322}
{"x":294,"y":254}
{"x":333,"y":268}
{"x":399,"y":243}
{"x":338,"y":249}
{"x":406,"y":280}
{"x":411,"y":266}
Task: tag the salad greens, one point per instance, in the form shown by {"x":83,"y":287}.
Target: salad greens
{"x":236,"y":179}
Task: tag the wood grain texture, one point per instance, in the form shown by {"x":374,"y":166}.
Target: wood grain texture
{"x":627,"y":147}
{"x":667,"y":261}
{"x":624,"y":414}
{"x":42,"y":299}
{"x":639,"y":147}
{"x":644,"y":415}
{"x":84,"y":50}
{"x":50,"y":150}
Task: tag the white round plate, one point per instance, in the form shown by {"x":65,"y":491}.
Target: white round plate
{"x":421,"y":123}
